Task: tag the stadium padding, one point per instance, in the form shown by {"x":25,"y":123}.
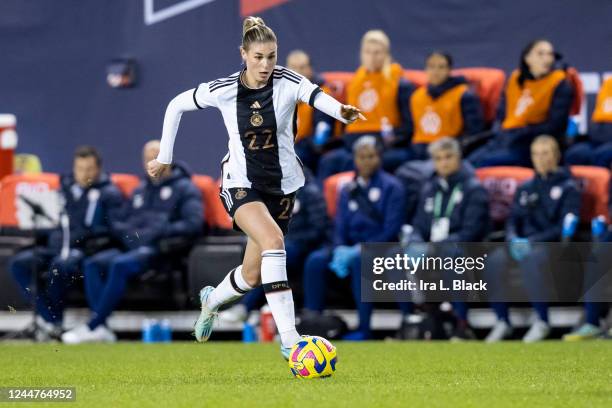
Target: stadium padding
{"x":331,"y":190}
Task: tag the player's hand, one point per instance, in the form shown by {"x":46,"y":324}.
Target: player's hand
{"x":351,"y":113}
{"x":156,"y":169}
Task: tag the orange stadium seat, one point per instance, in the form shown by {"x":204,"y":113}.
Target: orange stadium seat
{"x":488,"y":83}
{"x":574,"y":78}
{"x":37,"y":188}
{"x":418,"y":78}
{"x":501,"y":183}
{"x":331,"y":189}
{"x":594,"y":184}
{"x":337,"y":82}
{"x":125,"y":182}
{"x":214,"y":212}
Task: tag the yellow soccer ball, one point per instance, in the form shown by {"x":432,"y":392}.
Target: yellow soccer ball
{"x":313,"y":357}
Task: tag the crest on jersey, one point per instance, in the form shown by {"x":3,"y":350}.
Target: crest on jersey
{"x":240,"y":194}
{"x":256,"y":119}
{"x":368,"y":99}
{"x":607,"y":105}
{"x":430,"y":122}
{"x":523,"y":103}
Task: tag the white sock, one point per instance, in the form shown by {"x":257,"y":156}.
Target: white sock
{"x":232,"y":287}
{"x":279,"y":294}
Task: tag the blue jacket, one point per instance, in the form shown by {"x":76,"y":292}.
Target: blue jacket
{"x":170,"y":208}
{"x":471,"y":110}
{"x":541,"y":204}
{"x":319,"y":116}
{"x":404,"y":92}
{"x":374,"y":213}
{"x":555,"y":125}
{"x":91,"y":211}
{"x":469,"y":219}
{"x":309,"y":222}
{"x":600,"y":132}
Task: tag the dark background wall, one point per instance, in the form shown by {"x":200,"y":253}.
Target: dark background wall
{"x":53,"y":56}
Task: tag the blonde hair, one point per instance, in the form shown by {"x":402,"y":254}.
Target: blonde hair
{"x":297,"y":53}
{"x":379,"y":37}
{"x":255,"y":30}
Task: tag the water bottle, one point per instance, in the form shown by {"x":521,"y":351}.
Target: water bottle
{"x":267,"y":328}
{"x":248,"y":333}
{"x":322,"y":133}
{"x":598,"y":227}
{"x":386,"y":130}
{"x":573,"y":128}
{"x":405,"y":235}
{"x":165,"y":331}
{"x":147,"y":331}
{"x":570,"y":222}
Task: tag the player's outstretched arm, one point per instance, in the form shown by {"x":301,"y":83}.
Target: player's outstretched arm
{"x":181,"y":103}
{"x":344,"y":113}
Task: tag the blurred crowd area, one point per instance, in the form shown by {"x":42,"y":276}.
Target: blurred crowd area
{"x":444,"y":155}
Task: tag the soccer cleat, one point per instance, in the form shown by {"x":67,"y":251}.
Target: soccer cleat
{"x":38,"y":330}
{"x":27,"y":333}
{"x":538,"y":331}
{"x":83,"y":334}
{"x":203,"y":326}
{"x":285,"y":352}
{"x":502,"y":330}
{"x":585,"y":332}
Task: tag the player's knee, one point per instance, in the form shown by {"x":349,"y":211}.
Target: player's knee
{"x":275,"y":241}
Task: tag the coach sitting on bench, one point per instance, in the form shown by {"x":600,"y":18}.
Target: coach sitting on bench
{"x":453,"y":207}
{"x":540,"y":212}
{"x":370,"y":209}
{"x":168,"y":207}
{"x":91,"y":203}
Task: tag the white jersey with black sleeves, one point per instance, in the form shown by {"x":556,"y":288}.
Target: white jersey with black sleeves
{"x":261,"y":124}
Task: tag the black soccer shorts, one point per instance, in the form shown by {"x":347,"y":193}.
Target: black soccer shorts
{"x":279,"y":206}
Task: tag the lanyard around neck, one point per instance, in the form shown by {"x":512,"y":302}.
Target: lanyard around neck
{"x":450,"y":206}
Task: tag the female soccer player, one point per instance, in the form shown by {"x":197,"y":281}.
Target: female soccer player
{"x":260,"y":173}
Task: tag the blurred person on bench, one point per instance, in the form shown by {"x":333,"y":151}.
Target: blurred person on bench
{"x":313,"y":126}
{"x":597,"y":276}
{"x":539,"y":211}
{"x":371,"y":208}
{"x":597,"y":150}
{"x":444,"y":107}
{"x":536,"y":101}
{"x":453,"y":208}
{"x":91,"y":204}
{"x":380,"y":91}
{"x":170,"y":207}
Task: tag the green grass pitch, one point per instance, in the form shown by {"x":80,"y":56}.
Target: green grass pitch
{"x":377,"y":374}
